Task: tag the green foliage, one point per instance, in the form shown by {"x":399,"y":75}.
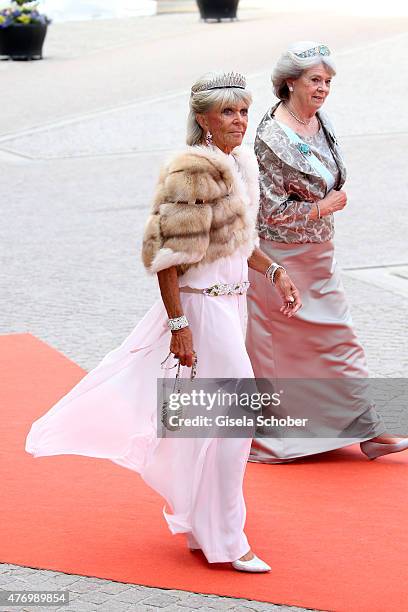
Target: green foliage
{"x":26,"y":4}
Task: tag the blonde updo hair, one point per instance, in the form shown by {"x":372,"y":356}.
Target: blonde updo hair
{"x":290,"y":66}
{"x":203,"y":101}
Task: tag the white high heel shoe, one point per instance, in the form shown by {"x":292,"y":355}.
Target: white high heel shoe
{"x":254,"y":565}
{"x":374,"y":449}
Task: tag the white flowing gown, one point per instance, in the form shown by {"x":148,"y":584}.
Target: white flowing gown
{"x":111,"y":413}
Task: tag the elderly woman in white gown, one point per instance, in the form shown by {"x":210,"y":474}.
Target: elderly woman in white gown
{"x":302,"y":177}
{"x":201,"y":233}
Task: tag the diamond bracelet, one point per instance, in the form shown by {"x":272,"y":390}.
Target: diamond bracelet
{"x":271,"y":271}
{"x":177,"y":323}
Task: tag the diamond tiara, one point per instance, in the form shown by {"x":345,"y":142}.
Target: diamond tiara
{"x":225,"y":81}
{"x":319,"y":50}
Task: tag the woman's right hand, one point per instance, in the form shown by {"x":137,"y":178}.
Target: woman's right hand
{"x":181,"y":346}
{"x":289,"y":294}
{"x":334,"y":201}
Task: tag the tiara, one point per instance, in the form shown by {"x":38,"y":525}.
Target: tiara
{"x":319,"y":50}
{"x":225,"y":81}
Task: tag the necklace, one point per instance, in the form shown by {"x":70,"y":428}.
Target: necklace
{"x":295,"y":117}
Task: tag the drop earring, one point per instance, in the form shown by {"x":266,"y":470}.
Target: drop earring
{"x":290,"y":87}
{"x":208,"y":139}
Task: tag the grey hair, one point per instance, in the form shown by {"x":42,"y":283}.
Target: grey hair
{"x":204,"y":101}
{"x":290,"y":66}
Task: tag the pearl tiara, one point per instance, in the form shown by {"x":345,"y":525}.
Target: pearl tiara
{"x":319,"y":50}
{"x":225,"y":81}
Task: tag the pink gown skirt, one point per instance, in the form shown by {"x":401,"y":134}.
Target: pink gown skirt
{"x":319,"y":342}
{"x":112,"y":413}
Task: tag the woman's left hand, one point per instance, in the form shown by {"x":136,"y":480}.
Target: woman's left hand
{"x":290,"y":295}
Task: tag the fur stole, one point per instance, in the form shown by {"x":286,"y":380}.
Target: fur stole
{"x":205,"y":208}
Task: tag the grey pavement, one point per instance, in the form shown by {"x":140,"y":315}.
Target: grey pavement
{"x":82,"y":135}
{"x":96,"y":595}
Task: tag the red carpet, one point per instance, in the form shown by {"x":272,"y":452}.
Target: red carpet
{"x":334,"y":529}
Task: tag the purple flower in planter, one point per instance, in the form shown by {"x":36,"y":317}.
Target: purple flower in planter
{"x":24,"y":15}
{"x":5,"y":18}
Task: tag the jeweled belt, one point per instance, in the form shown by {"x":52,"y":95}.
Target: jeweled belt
{"x":220,"y":289}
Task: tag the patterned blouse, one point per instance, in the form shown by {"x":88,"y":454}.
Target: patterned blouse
{"x":289,"y":185}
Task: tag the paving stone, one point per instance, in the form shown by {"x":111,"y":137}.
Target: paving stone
{"x":160,"y":600}
{"x":135,"y":595}
{"x":15,"y":584}
{"x":220,"y":603}
{"x":96,"y":597}
{"x":5,"y":579}
{"x":176,"y":608}
{"x":82,"y":607}
{"x":37,"y":582}
{"x":65,"y":580}
{"x":21,"y":572}
{"x":114,"y":587}
{"x":114,"y":605}
{"x":206,"y":608}
{"x":84,"y":586}
{"x":195,"y":602}
{"x":73,"y":600}
{"x":33,"y":609}
{"x":259,"y":607}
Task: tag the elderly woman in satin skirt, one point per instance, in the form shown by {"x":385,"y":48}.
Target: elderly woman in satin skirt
{"x":302,"y":176}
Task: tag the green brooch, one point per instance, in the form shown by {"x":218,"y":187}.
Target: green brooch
{"x":304,"y":148}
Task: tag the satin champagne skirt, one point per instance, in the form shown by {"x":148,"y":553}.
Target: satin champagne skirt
{"x":317,"y":343}
{"x":112,"y":413}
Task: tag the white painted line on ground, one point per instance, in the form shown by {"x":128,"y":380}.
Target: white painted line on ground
{"x":14,"y":158}
{"x":52,"y":125}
